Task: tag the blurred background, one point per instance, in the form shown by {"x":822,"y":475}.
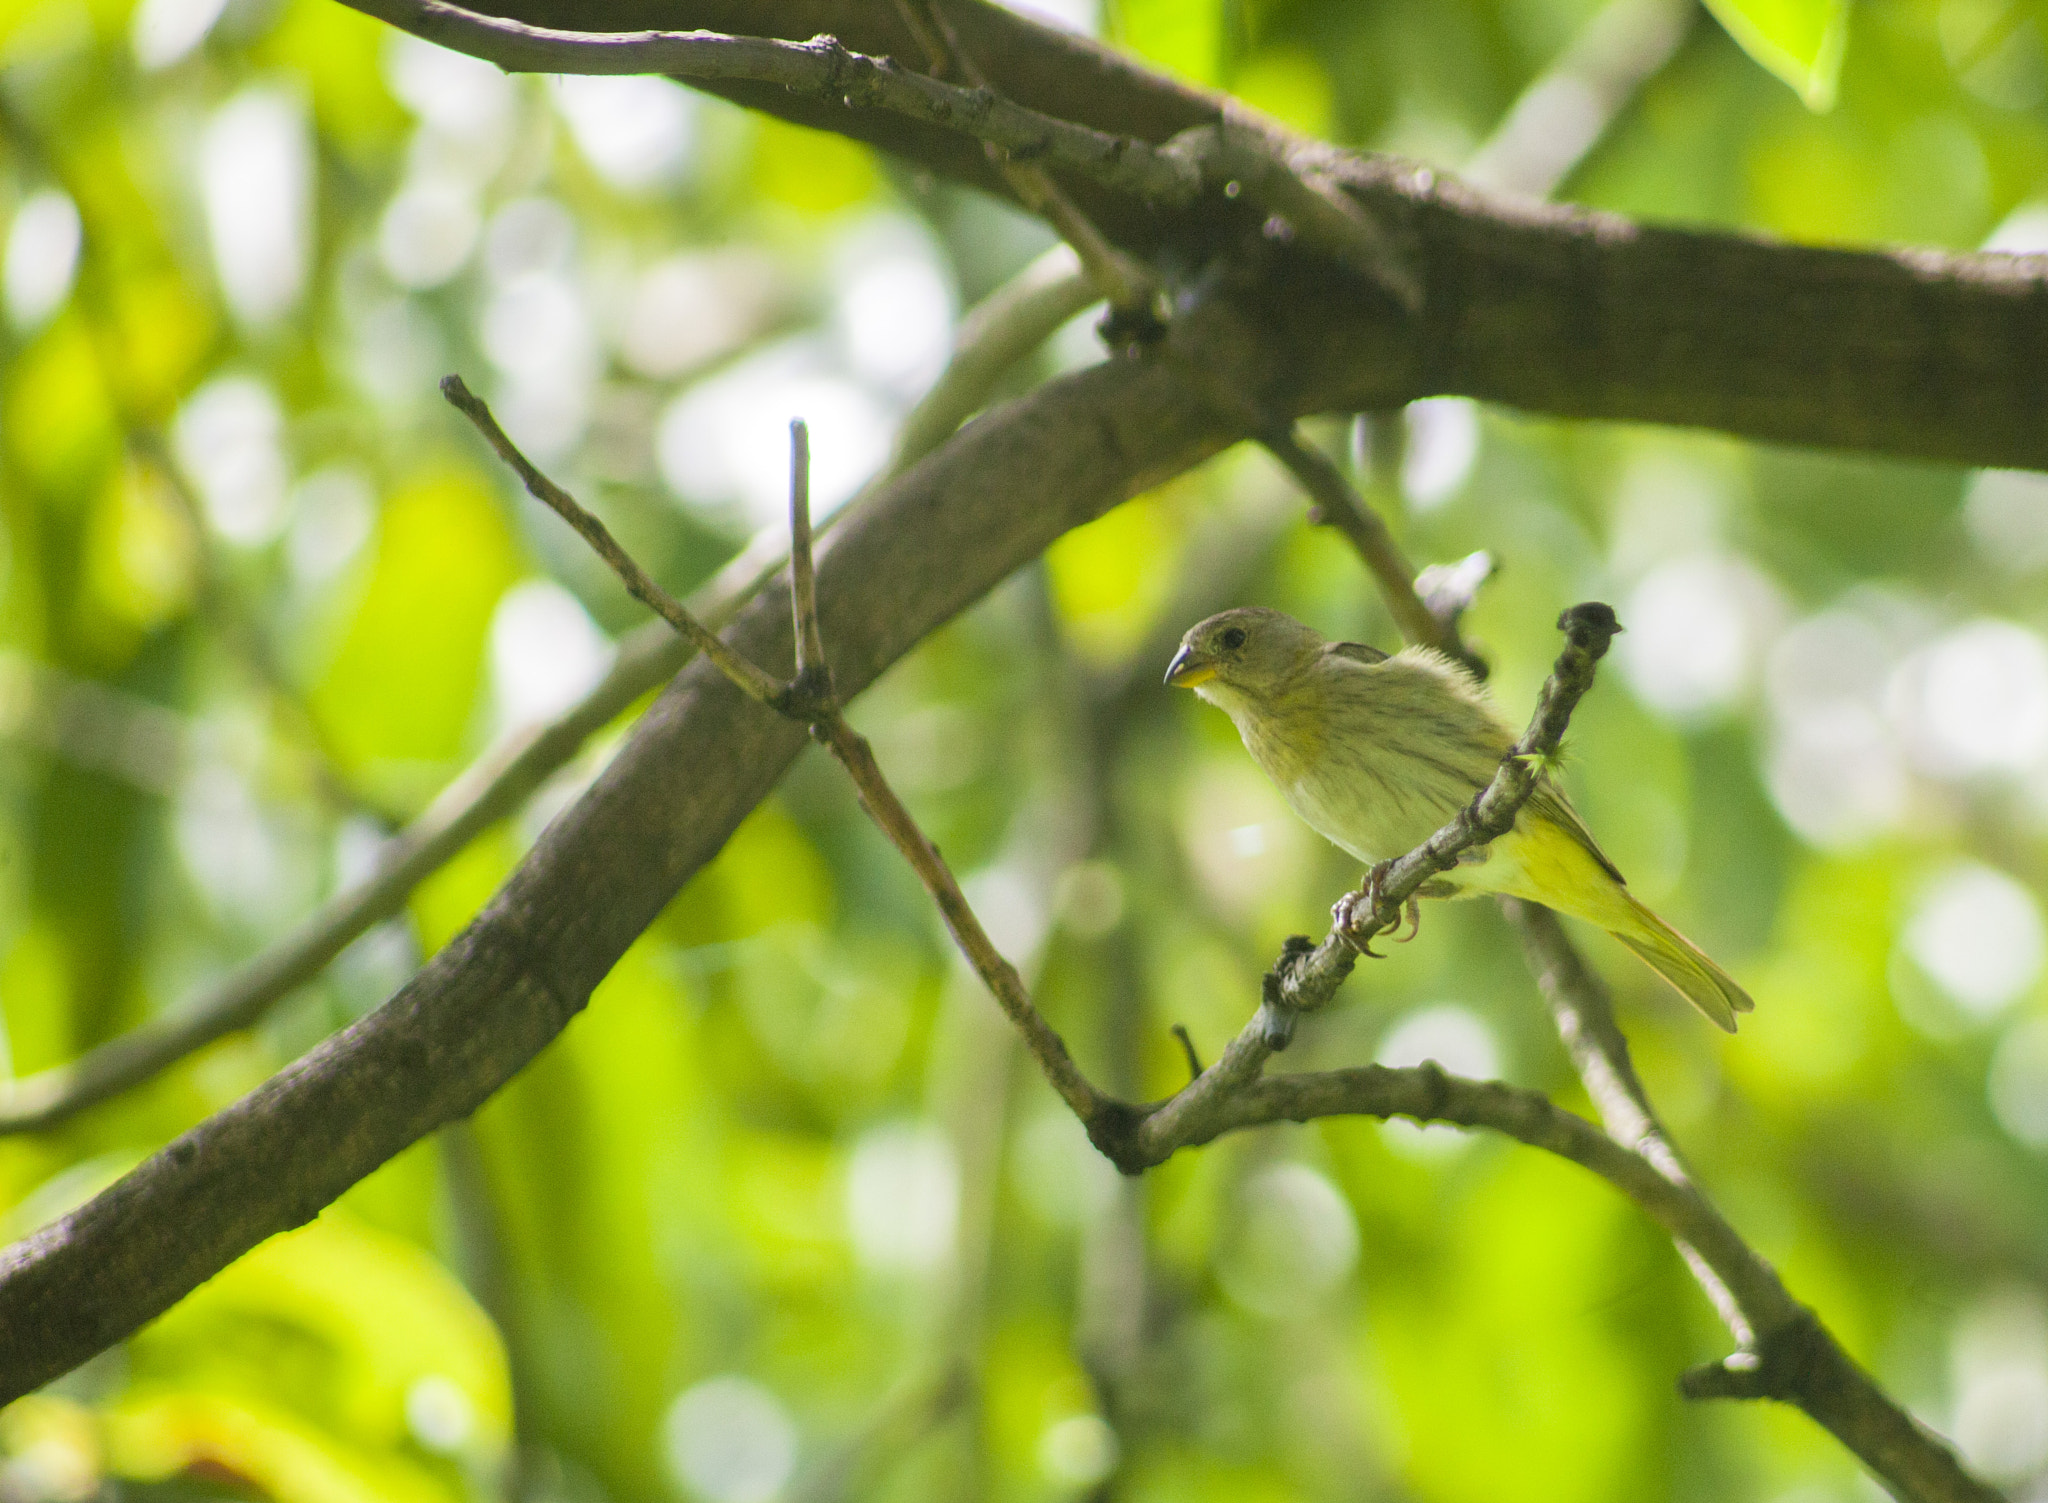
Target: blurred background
{"x":786,"y":1214}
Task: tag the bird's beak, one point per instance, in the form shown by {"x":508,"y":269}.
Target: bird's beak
{"x":1186,"y":670}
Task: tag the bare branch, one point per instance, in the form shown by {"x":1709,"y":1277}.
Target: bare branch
{"x":750,"y":679}
{"x":809,"y":700}
{"x":997,"y":333}
{"x":1131,"y":287}
{"x":813,"y":673}
{"x":820,"y":68}
{"x":1905,"y":352}
{"x":879,"y":799}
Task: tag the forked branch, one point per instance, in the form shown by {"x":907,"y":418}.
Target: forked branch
{"x":808,"y":698}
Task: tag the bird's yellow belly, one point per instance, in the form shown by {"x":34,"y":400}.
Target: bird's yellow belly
{"x":1535,"y":860}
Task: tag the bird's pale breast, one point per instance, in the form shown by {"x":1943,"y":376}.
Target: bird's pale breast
{"x":1376,"y":757}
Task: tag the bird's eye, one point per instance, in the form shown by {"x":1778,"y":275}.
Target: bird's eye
{"x":1232,"y":639}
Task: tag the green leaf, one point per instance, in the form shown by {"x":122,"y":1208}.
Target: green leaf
{"x":1799,"y":40}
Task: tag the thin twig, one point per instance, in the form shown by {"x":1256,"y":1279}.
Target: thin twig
{"x":821,"y":68}
{"x":749,"y":679}
{"x":1295,"y":183}
{"x":1307,"y":975}
{"x":1187,"y":1047}
{"x":814,"y":704}
{"x":1132,"y":288}
{"x":813,"y":675}
{"x":993,"y":337}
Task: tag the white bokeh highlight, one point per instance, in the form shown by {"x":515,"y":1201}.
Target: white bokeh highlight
{"x":636,"y":132}
{"x":1977,"y":934}
{"x":894,"y":307}
{"x":689,"y":309}
{"x":2017,"y":1084}
{"x":1832,"y":764}
{"x":229,"y":438}
{"x":164,"y":31}
{"x":1974,"y":701}
{"x":1294,"y":1240}
{"x":461,"y":98}
{"x":1013,"y":909}
{"x":1697,"y":628}
{"x":43,"y":242}
{"x":427,"y":232}
{"x":231,"y":853}
{"x":333,"y":512}
{"x":1077,"y":1451}
{"x":440,"y":1414}
{"x":256,"y":182}
{"x":1998,"y":1361}
{"x":2006,"y":512}
{"x":1454,"y":1037}
{"x":729,"y":1440}
{"x":725,"y":441}
{"x":1443,"y":446}
{"x":546,"y":652}
{"x":903,"y":1198}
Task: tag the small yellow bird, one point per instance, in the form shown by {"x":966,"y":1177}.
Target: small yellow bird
{"x":1377,"y":753}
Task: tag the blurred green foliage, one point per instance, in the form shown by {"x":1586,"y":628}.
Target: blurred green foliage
{"x":785,"y":1214}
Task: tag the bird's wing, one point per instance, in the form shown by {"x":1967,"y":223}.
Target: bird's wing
{"x":1549,"y":801}
{"x":1358,"y":652}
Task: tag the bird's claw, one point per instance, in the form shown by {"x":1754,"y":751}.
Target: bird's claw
{"x":1413,"y":913}
{"x":1345,"y":912}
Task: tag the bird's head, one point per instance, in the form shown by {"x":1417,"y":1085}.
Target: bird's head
{"x":1247,"y":653}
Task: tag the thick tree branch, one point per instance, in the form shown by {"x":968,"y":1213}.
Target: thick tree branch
{"x":695,"y":764}
{"x":1132,"y":289}
{"x":1919,"y":354}
{"x":821,"y":68}
{"x":997,"y":333}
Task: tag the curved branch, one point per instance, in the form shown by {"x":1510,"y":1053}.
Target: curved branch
{"x":821,"y":69}
{"x":996,"y":333}
{"x":694,"y":765}
{"x":1916,"y":353}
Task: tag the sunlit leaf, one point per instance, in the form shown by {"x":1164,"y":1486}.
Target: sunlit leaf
{"x":1801,"y":41}
{"x":402,"y":689}
{"x":1183,"y":36}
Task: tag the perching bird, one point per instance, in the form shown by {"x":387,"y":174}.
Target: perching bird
{"x":1377,"y":753}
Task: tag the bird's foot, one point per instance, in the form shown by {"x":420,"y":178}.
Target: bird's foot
{"x":1413,"y":913}
{"x":1347,"y":912}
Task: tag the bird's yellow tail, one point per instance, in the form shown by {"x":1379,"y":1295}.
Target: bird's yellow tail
{"x":1682,"y":963}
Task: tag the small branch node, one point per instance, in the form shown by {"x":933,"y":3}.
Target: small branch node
{"x":1113,"y":1128}
{"x":1187,"y":1045}
{"x":1590,"y":626}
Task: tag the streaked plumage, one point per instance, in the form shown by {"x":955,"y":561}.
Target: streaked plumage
{"x":1376,"y":753}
